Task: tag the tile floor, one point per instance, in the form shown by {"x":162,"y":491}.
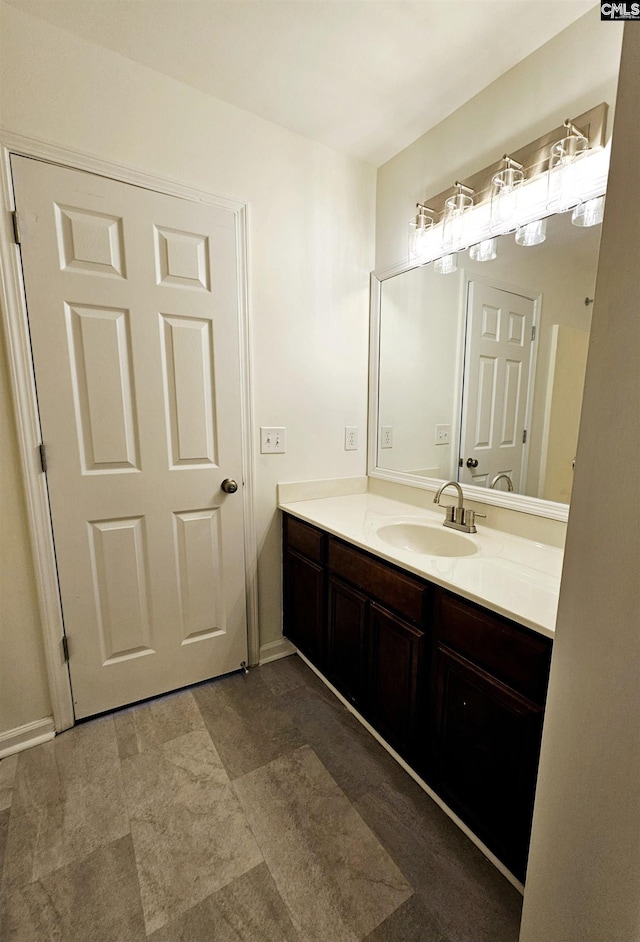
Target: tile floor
{"x":247,"y":809}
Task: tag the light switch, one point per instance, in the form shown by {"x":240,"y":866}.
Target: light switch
{"x":272,"y":440}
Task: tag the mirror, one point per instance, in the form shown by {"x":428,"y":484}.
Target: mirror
{"x":478,"y":375}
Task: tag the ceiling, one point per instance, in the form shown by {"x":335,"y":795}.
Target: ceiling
{"x":366,"y":77}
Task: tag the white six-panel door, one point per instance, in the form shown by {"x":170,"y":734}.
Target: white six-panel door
{"x":496,"y":385}
{"x":132,"y":305}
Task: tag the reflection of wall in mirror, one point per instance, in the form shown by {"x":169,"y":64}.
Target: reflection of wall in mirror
{"x":562,"y":418}
{"x":418,"y":371}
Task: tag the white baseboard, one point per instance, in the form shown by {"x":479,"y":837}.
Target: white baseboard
{"x":23,"y":737}
{"x":276,"y":649}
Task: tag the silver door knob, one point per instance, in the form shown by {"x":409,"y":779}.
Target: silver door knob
{"x":229,"y":486}
{"x":472,"y":462}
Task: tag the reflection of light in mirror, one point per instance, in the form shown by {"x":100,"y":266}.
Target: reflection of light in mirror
{"x":446,"y":265}
{"x":484,"y":251}
{"x":534,"y":233}
{"x":590,"y":213}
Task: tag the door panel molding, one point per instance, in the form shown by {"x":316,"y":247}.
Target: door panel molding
{"x":21,"y":371}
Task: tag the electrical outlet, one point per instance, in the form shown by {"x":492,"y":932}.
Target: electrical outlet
{"x":443,"y":434}
{"x":386,"y":436}
{"x":350,"y":438}
{"x":272,"y":440}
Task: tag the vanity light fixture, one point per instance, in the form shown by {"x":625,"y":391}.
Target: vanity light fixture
{"x":563,"y":177}
{"x":453,"y":221}
{"x":589,"y":213}
{"x":533,"y":233}
{"x":446,"y":264}
{"x":505,"y":186}
{"x":484,"y":251}
{"x":421,"y":235}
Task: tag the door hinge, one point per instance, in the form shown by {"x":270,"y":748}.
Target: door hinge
{"x":524,"y":437}
{"x":65,"y":647}
{"x":43,"y":458}
{"x":533,"y":332}
{"x":16,"y":227}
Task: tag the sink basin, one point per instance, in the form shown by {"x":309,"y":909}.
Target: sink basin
{"x":423,"y":538}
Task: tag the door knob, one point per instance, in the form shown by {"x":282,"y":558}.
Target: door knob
{"x":472,"y":462}
{"x":229,"y":486}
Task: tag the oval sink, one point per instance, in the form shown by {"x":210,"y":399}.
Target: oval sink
{"x":423,"y":538}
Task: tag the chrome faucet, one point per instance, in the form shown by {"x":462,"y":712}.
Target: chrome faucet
{"x":499,"y":477}
{"x":457,"y":516}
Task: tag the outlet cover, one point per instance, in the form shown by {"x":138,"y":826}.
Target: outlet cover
{"x":350,"y":438}
{"x":386,"y":436}
{"x":443,"y":434}
{"x":272,"y":440}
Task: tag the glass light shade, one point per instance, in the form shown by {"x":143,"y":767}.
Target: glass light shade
{"x":446,"y":264}
{"x":453,"y":222}
{"x":484,"y":251}
{"x":533,"y":233}
{"x":590,"y":213}
{"x":563,"y":178}
{"x":421,"y":240}
{"x":505,"y":187}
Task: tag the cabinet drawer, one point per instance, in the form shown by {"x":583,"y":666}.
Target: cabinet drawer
{"x":399,"y":592}
{"x":304,"y":538}
{"x":516,"y":656}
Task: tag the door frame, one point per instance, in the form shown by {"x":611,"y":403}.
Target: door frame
{"x":536,"y":299}
{"x":22,"y":380}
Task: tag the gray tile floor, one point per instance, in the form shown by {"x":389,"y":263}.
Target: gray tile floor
{"x":247,"y":809}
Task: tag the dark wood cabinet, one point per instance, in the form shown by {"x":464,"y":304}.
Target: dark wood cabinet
{"x":346,"y":660}
{"x":304,"y":588}
{"x":454,"y":688}
{"x":396,"y":659}
{"x":487,"y":740}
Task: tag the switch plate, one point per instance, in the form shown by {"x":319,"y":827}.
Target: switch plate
{"x":272,"y":440}
{"x":443,"y":434}
{"x":350,"y":438}
{"x":386,"y":436}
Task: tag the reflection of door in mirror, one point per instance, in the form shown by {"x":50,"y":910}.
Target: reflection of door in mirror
{"x":495,"y":392}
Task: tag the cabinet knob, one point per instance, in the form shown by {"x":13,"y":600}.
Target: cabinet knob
{"x":229,"y":486}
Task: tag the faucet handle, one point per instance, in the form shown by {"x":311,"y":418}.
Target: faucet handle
{"x":469,"y":519}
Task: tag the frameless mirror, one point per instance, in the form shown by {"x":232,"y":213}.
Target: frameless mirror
{"x":478,"y":374}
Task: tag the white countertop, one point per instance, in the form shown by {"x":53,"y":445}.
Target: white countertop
{"x":510,"y":575}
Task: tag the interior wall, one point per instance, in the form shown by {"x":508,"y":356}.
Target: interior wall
{"x":310,"y":247}
{"x":584,"y":862}
{"x":571,"y":73}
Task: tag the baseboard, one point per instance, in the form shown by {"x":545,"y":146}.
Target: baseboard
{"x":276,"y":649}
{"x":23,"y":737}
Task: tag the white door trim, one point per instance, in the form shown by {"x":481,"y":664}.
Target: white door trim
{"x":12,"y":298}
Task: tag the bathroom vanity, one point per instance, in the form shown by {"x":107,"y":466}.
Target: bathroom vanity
{"x":445,"y":656}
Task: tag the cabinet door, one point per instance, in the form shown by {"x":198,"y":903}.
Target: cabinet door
{"x":346,"y":639}
{"x":486,"y":756}
{"x":304,"y":605}
{"x":397,"y":650}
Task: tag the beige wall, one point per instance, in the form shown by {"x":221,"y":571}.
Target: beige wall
{"x":24,"y":693}
{"x":311,"y":217}
{"x":568,"y":75}
{"x":584,"y":863}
